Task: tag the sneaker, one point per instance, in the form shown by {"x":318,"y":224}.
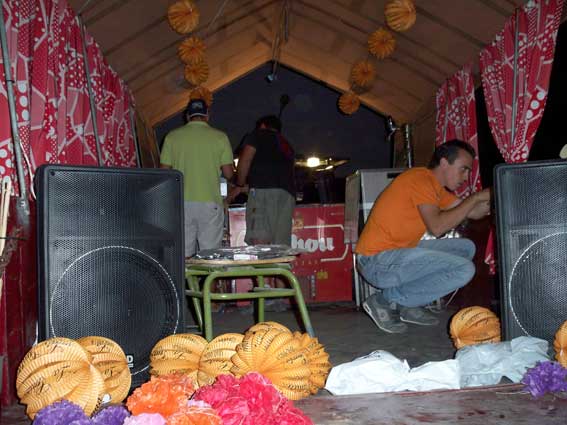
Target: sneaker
{"x":418,"y":316}
{"x":383,"y":316}
{"x":275,"y":305}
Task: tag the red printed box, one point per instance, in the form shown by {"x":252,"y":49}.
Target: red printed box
{"x":325,"y":268}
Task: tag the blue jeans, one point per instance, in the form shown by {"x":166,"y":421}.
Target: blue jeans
{"x":414,"y":277}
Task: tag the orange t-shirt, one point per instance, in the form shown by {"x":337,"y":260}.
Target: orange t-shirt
{"x":395,"y":221}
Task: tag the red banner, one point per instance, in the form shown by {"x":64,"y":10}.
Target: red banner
{"x":456,"y":119}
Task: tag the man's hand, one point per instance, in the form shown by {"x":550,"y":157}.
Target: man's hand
{"x":482,"y":204}
{"x":234,"y":191}
{"x":483,"y":195}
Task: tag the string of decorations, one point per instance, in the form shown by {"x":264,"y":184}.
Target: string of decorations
{"x":183,"y":17}
{"x":400,"y":15}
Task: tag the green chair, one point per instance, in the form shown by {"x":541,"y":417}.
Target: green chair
{"x":211,"y":270}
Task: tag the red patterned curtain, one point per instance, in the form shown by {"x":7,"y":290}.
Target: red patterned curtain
{"x":456,"y":119}
{"x":515,"y":80}
{"x":51,"y":96}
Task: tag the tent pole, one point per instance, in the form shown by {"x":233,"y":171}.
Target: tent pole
{"x":83,"y":7}
{"x":515,"y":87}
{"x":22,"y":203}
{"x":135,"y":137}
{"x":90,"y":90}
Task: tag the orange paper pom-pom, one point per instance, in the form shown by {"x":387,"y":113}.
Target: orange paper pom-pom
{"x":400,"y":14}
{"x":197,"y":73}
{"x":164,"y":394}
{"x":560,"y":345}
{"x":195,"y":413}
{"x":191,"y":50}
{"x":381,"y":43}
{"x":363,"y":73}
{"x":183,"y":16}
{"x":349,"y":103}
{"x":202,"y":93}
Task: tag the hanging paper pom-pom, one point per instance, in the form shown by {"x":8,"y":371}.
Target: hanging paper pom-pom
{"x":202,"y":93}
{"x":560,"y":344}
{"x":363,"y":73}
{"x":400,"y":14}
{"x":545,"y":377}
{"x":56,"y":369}
{"x":197,"y":73}
{"x":183,"y":16}
{"x":179,"y":353}
{"x":110,"y":360}
{"x":349,"y":103}
{"x":61,"y":413}
{"x":191,"y":50}
{"x":163,"y":394}
{"x":474,"y":325}
{"x":381,"y":43}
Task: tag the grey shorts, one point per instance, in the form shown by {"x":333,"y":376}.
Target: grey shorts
{"x":269,"y":215}
{"x":204,"y":223}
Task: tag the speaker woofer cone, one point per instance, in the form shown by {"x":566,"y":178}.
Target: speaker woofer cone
{"x":116,"y":292}
{"x":537,"y":286}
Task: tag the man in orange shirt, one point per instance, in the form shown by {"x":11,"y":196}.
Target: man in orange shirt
{"x":411,"y":272}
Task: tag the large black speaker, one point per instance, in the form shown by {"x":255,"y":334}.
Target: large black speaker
{"x":110,"y":252}
{"x":531,"y":207}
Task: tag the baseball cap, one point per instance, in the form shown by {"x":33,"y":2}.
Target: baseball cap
{"x":197,"y":107}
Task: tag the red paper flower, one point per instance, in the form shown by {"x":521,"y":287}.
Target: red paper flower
{"x":250,"y":400}
{"x":164,"y":394}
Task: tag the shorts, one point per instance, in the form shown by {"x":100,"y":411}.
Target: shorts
{"x":269,"y":216}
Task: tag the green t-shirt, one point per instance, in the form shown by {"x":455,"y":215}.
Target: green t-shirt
{"x":198,"y":151}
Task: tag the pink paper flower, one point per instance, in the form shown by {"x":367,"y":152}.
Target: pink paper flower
{"x":250,"y":400}
{"x":146,"y":419}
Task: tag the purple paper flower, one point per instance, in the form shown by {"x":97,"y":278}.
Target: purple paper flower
{"x":61,"y":413}
{"x":545,"y":377}
{"x":111,"y":415}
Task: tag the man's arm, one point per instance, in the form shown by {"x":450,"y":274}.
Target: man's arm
{"x":439,"y":222}
{"x":244,"y":162}
{"x":227,"y":171}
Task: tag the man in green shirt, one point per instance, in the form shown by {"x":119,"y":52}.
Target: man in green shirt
{"x":200,"y":152}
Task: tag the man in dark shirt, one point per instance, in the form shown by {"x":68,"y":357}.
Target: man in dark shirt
{"x":266,"y":171}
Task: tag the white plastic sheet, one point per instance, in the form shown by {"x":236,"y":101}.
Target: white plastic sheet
{"x":487,"y":364}
{"x":381,"y":371}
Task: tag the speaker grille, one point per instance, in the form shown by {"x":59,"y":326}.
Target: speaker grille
{"x":539,"y":306}
{"x":531,"y":201}
{"x":119,"y":292}
{"x":111,"y":256}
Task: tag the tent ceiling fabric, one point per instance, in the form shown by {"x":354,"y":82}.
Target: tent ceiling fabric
{"x":325,"y":38}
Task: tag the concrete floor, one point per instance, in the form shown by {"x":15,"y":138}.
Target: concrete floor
{"x":345,"y":332}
